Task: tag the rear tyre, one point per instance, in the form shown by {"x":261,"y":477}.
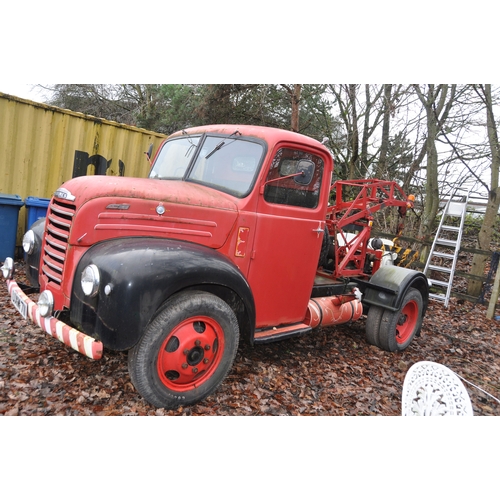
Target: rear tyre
{"x":186,"y":351}
{"x":397,"y":328}
{"x":325,"y":249}
{"x":373,"y":319}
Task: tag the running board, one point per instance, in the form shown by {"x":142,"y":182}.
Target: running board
{"x":280,"y":333}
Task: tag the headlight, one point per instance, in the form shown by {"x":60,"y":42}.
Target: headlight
{"x":90,"y":280}
{"x":46,"y":304}
{"x":8,"y":268}
{"x":29,"y":242}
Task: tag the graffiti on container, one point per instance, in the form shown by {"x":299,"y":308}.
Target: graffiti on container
{"x":83,"y":161}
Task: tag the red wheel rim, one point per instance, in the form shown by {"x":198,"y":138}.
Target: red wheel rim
{"x":191,"y":353}
{"x":407,"y":322}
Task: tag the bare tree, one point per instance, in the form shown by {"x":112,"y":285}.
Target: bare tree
{"x":133,"y":104}
{"x":366,"y":116}
{"x":384,"y":145}
{"x":484,"y":238}
{"x":437,"y":101}
{"x":347,"y":147}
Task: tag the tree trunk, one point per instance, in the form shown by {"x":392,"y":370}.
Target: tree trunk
{"x":363,"y":158}
{"x":294,"y":93}
{"x":437,"y":106}
{"x":295,"y":107}
{"x":384,"y":145}
{"x":354,"y":136}
{"x":486,"y":231}
{"x":431,"y":206}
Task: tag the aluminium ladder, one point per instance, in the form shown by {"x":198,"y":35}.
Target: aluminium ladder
{"x":443,"y":255}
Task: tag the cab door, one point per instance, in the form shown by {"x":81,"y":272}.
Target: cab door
{"x":289,"y":233}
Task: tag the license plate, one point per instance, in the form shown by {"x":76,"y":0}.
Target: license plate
{"x":19,"y":304}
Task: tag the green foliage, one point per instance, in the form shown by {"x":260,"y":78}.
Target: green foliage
{"x":473,"y":224}
{"x":169,"y":107}
{"x":399,"y":157}
{"x":180,"y":104}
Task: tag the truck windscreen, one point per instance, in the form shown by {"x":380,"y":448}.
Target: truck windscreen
{"x":228,"y":164}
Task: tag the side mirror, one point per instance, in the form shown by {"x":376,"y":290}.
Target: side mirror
{"x":149,"y":152}
{"x":305,"y":172}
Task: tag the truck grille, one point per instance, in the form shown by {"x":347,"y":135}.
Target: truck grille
{"x":60,"y":215}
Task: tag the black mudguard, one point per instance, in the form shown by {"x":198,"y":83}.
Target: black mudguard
{"x":32,"y":261}
{"x":387,"y":287}
{"x":139,"y":274}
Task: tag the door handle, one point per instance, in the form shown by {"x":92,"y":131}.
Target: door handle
{"x":318,"y":230}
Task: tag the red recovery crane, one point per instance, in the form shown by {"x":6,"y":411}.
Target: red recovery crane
{"x":349,"y":223}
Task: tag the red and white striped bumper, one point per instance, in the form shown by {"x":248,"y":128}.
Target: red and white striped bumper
{"x":67,"y":335}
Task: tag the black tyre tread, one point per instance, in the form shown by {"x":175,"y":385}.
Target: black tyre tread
{"x":387,"y":331}
{"x":142,"y":357}
{"x":325,"y":247}
{"x":373,"y":319}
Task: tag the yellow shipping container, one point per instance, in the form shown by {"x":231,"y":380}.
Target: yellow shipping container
{"x":43,"y":146}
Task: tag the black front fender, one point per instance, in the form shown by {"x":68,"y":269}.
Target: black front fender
{"x":137,"y":275}
{"x":32,"y":262}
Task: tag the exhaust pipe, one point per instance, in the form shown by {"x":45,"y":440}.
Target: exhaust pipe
{"x":335,"y":310}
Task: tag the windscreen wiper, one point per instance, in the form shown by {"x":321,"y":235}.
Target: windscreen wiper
{"x":221,"y":143}
{"x":192,"y":144}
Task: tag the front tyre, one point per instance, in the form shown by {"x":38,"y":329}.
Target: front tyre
{"x":186,"y":351}
{"x":397,"y":328}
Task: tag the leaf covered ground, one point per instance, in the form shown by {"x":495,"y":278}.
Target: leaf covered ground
{"x":331,"y":372}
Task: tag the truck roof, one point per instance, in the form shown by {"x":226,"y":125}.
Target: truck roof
{"x":269,"y":134}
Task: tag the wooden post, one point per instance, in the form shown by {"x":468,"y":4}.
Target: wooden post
{"x":494,"y":295}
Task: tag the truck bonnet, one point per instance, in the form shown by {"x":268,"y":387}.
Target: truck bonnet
{"x":107,"y":207}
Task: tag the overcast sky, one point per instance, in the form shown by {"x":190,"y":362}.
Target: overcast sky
{"x":24,"y":90}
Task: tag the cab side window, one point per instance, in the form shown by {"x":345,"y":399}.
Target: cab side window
{"x":294,"y":179}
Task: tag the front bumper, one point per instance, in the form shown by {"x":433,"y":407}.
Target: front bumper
{"x":66,"y":334}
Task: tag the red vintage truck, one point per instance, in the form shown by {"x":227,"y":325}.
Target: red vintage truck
{"x":238,"y":233}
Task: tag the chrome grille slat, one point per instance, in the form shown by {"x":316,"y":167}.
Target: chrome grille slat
{"x":55,"y":244}
{"x":56,"y":256}
{"x":52,"y":277}
{"x":59,"y":221}
{"x":52,"y":265}
{"x":57,"y":233}
{"x":62,"y":212}
{"x":60,"y":217}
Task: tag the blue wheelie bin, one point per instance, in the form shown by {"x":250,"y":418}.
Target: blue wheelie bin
{"x":36,"y":208}
{"x":10,"y":204}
